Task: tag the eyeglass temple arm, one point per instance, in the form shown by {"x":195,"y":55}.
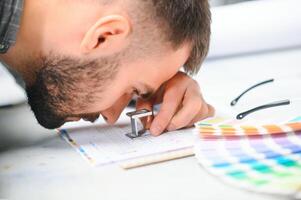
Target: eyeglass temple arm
{"x":266,"y":106}
{"x":234,"y":102}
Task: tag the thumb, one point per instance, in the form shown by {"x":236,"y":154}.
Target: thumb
{"x":148,"y":105}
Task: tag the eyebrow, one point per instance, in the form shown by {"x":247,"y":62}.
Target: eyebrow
{"x":148,"y":93}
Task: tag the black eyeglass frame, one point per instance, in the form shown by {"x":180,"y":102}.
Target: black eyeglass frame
{"x":242,"y":115}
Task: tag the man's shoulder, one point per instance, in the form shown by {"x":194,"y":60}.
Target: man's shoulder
{"x":10,"y":17}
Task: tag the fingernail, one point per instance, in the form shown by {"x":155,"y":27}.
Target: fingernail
{"x":171,"y":127}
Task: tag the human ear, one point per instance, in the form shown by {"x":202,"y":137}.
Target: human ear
{"x":107,"y":36}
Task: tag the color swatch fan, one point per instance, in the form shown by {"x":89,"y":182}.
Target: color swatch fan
{"x":265,"y":158}
{"x":231,"y":127}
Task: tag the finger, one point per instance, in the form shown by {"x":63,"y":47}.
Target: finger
{"x":193,"y":106}
{"x":148,"y":105}
{"x":171,"y":101}
{"x":203,"y":115}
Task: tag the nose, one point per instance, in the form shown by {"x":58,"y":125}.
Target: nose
{"x":112,"y":114}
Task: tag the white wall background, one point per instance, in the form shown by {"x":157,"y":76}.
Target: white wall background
{"x":224,"y":2}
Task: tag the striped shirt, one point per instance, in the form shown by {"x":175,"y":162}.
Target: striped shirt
{"x":10,"y":15}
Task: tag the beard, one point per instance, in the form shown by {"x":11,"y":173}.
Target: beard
{"x":64,"y":86}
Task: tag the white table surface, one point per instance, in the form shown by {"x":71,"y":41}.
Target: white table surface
{"x":37,"y":164}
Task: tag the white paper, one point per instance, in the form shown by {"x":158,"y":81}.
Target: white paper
{"x":108,"y":144}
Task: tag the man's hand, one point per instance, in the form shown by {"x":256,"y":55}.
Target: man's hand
{"x":182,"y":105}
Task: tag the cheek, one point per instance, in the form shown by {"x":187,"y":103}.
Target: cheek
{"x":110,"y":105}
{"x":109,"y":99}
{"x":105,"y":102}
{"x":117,"y":107}
{"x":167,"y":67}
{"x":62,"y":43}
{"x":158,"y":76}
{"x":119,"y":88}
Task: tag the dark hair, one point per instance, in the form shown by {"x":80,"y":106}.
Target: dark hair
{"x":58,"y":92}
{"x":186,"y":20}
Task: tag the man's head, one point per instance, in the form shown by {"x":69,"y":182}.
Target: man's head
{"x":85,"y":58}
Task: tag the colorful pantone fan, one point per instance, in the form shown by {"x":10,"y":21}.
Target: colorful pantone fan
{"x":225,"y":127}
{"x":263,"y":158}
